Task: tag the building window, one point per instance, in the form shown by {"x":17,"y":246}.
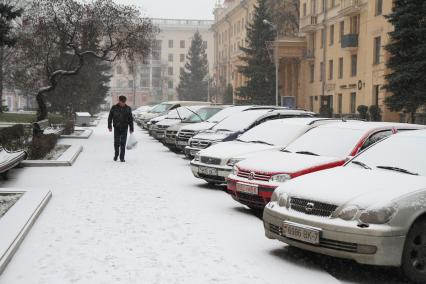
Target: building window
{"x":322,"y":37}
{"x":321,"y":71}
{"x":339,"y":103}
{"x":170,"y":43}
{"x":144,"y":82}
{"x":331,"y":34}
{"x":304,"y":9}
{"x":312,"y":72}
{"x":354,"y":63}
{"x":353,"y":103}
{"x":342,"y":30}
{"x":170,"y":57}
{"x":181,"y":70}
{"x":355,"y":24}
{"x":130,"y":84}
{"x":379,"y":7}
{"x":182,"y":43}
{"x":170,"y":84}
{"x":331,"y":70}
{"x":170,"y":71}
{"x":340,"y":67}
{"x":377,"y":48}
{"x":182,"y":58}
{"x":205,"y":44}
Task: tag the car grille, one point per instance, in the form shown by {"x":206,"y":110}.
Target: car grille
{"x":200,"y":144}
{"x":250,"y":199}
{"x":171,"y":134}
{"x":325,"y":243}
{"x":253,"y":175}
{"x":210,"y":161}
{"x":162,"y":126}
{"x":185,"y":135}
{"x":310,"y":207}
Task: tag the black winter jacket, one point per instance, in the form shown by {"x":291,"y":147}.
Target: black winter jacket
{"x":120,"y":117}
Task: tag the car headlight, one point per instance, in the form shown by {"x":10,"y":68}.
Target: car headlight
{"x":283,"y":200}
{"x":197,"y":157}
{"x":232,"y":162}
{"x":348,"y":213}
{"x":280,"y":178}
{"x":275,"y":196}
{"x":380,"y":215}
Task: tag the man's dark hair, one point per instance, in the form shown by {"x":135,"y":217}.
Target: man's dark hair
{"x":122,"y":99}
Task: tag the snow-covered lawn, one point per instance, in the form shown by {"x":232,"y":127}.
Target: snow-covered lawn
{"x":150,"y":221}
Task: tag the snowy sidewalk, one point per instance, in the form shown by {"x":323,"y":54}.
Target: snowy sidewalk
{"x":146,"y":221}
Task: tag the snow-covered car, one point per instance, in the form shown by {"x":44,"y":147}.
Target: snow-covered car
{"x":203,"y":114}
{"x":233,"y":126}
{"x":163,"y":109}
{"x":188,"y":131}
{"x":327,"y":146}
{"x":175,"y":116}
{"x":140,"y":110}
{"x":150,"y":125}
{"x":215,"y":163}
{"x":372,"y":210}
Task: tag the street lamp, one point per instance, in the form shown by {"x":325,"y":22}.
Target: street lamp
{"x":274,"y":27}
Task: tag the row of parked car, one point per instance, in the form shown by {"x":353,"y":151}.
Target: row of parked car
{"x":344,"y":188}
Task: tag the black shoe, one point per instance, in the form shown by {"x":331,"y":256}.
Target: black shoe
{"x":115,"y":159}
{"x":123,"y":161}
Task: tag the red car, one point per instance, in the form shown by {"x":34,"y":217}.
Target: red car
{"x":327,"y":146}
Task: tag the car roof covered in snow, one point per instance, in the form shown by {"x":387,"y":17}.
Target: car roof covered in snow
{"x":367,"y":126}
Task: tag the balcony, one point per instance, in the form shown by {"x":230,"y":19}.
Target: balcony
{"x":350,"y":42}
{"x":308,"y":24}
{"x":351,"y":7}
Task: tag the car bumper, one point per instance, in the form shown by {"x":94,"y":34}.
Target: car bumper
{"x":363,"y":245}
{"x":191,"y":152}
{"x":259,"y":201}
{"x":170,"y":142}
{"x":220,"y":177}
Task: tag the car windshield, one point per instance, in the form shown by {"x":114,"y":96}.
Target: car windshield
{"x":202,"y":115}
{"x":221,"y":115}
{"x":327,"y":141}
{"x":180,"y":113}
{"x":240,"y":121}
{"x":160,"y":108}
{"x":274,"y":132}
{"x":401,"y":153}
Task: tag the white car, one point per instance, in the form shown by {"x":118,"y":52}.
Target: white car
{"x":372,"y":210}
{"x":214,"y":164}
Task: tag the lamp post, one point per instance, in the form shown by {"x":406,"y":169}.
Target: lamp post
{"x":274,"y":27}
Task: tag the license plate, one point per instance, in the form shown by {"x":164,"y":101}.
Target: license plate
{"x":207,"y":171}
{"x":182,"y":143}
{"x":247,"y":188}
{"x":301,"y":233}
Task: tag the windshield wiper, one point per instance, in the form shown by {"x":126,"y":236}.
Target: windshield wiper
{"x":361,"y":164}
{"x":285,"y":150}
{"x":239,"y":140}
{"x":195,"y":114}
{"x":223,"y":130}
{"x":260,"y":142}
{"x":178,"y":114}
{"x":307,"y":153}
{"x":396,"y":169}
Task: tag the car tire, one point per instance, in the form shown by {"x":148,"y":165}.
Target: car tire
{"x":414,"y":255}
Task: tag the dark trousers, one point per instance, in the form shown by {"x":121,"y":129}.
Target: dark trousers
{"x":120,"y":139}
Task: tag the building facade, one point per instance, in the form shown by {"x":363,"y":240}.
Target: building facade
{"x":156,"y":78}
{"x":231,"y":18}
{"x":340,"y":61}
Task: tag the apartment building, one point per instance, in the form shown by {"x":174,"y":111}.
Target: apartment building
{"x":231,"y":18}
{"x":340,"y":60}
{"x":156,"y":78}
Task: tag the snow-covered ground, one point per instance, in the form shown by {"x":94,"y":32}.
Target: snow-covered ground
{"x":150,"y":221}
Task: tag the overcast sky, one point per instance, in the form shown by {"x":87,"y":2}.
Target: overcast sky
{"x":177,"y":9}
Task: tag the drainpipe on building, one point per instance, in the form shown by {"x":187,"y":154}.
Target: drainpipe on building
{"x":229,"y":58}
{"x":324,"y":60}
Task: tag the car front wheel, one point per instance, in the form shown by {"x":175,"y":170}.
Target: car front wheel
{"x":414,"y":255}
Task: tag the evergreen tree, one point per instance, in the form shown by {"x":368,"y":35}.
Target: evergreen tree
{"x":8,"y":13}
{"x":193,"y":79}
{"x":258,"y":69}
{"x":407,"y":60}
{"x":285,"y":14}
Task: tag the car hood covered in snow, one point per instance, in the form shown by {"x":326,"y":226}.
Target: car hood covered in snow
{"x":281,"y":162}
{"x":231,"y":149}
{"x":199,"y":126}
{"x":212,"y":135}
{"x":169,"y":122}
{"x":354,"y":186}
{"x":178,"y":126}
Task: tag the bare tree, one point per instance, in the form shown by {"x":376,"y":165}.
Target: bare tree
{"x":52,"y":26}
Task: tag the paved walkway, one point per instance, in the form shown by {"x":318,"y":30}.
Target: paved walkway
{"x":145,"y":221}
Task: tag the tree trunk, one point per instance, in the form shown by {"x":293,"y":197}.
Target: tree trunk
{"x":42,"y":108}
{"x":1,"y":78}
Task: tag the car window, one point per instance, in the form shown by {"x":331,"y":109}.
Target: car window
{"x":240,"y":121}
{"x":161,"y":108}
{"x":376,"y":137}
{"x":404,"y":152}
{"x":328,"y":141}
{"x":202,"y":115}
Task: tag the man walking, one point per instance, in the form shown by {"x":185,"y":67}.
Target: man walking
{"x":120,"y":116}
